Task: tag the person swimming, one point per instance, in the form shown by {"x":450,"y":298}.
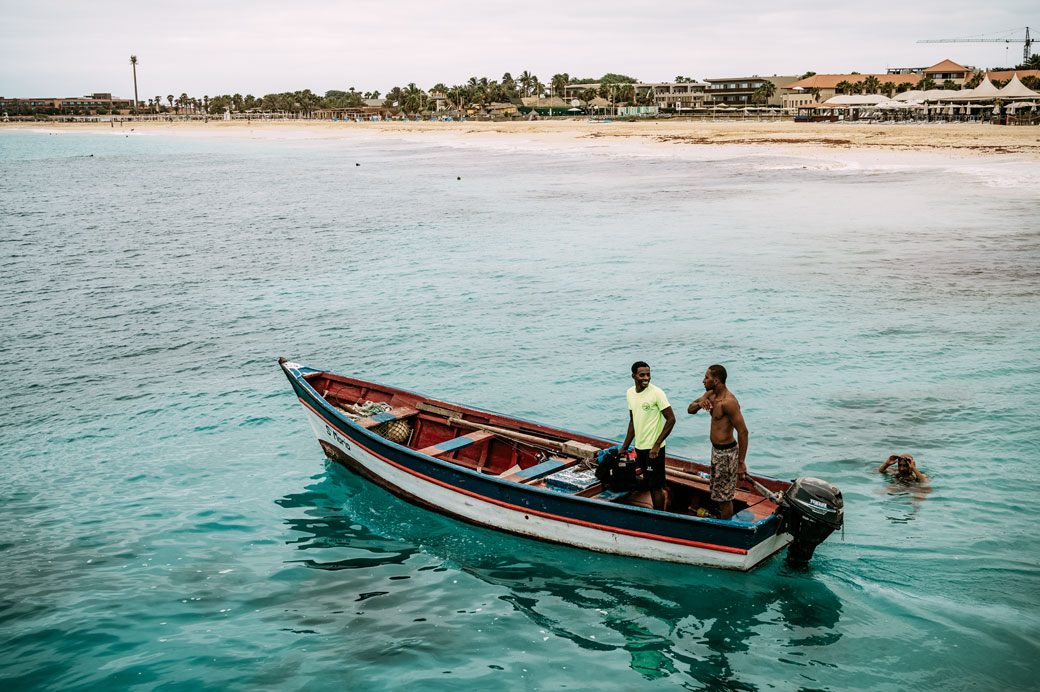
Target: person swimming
{"x":905,"y":469}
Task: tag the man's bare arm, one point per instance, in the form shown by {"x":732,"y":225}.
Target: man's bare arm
{"x":669,"y":423}
{"x":888,"y":462}
{"x":698,"y":404}
{"x":921,"y":477}
{"x":732,"y":408}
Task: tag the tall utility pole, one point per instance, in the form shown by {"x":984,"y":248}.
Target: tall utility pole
{"x":133,"y":64}
{"x":1025,"y":52}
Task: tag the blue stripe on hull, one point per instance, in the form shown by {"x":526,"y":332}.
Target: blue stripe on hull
{"x":622,"y":517}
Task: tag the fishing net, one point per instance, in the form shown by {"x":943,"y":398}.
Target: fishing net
{"x":395,"y":430}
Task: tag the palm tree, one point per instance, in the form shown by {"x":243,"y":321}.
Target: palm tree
{"x":889,"y":89}
{"x":1033,"y":63}
{"x":764,"y":92}
{"x":843,"y":87}
{"x":169,"y":97}
{"x":133,"y":65}
{"x":413,"y":98}
{"x":483,"y":91}
{"x":158,"y":103}
{"x":815,"y":91}
{"x":558,"y":84}
{"x":508,"y":85}
{"x":526,"y":79}
{"x":394,"y":98}
{"x":456,"y":94}
{"x":975,"y":80}
{"x":871,"y":85}
{"x":926,"y":84}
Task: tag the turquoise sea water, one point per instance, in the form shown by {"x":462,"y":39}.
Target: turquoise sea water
{"x":168,"y":521}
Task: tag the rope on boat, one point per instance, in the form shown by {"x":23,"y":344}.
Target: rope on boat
{"x":395,"y":430}
{"x":359,"y":411}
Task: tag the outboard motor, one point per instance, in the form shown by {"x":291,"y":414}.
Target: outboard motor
{"x":812,"y":510}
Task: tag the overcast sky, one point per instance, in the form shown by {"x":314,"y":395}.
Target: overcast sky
{"x":61,"y":48}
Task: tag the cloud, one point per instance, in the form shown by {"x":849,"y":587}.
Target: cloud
{"x":62,"y":48}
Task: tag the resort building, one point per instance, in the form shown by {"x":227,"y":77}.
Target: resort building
{"x":439,"y":100}
{"x":677,"y":96}
{"x":83,"y":104}
{"x":739,"y":91}
{"x":577,"y":91}
{"x":1005,"y":75}
{"x":947,"y":69}
{"x":820,"y":87}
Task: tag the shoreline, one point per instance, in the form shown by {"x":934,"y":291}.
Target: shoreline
{"x":960,"y":140}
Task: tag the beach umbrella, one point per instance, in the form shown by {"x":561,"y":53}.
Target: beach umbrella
{"x":912,"y":95}
{"x":855,"y":100}
{"x":1015,"y":89}
{"x":985,"y":90}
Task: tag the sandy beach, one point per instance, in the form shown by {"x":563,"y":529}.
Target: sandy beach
{"x":783,"y":137}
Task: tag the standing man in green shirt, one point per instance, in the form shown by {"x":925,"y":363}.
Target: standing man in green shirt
{"x":650,"y":419}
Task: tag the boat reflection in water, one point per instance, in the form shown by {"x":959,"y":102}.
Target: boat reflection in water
{"x":445,"y":587}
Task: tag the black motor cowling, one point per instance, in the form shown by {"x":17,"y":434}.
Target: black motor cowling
{"x":812,"y":510}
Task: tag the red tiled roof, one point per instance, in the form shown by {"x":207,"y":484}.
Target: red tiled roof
{"x":1005,"y":75}
{"x":946,"y":66}
{"x":830,"y":81}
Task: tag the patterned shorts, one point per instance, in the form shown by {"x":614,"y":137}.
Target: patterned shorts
{"x":724,"y":472}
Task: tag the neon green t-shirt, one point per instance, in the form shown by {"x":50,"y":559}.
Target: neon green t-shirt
{"x":647,"y":421}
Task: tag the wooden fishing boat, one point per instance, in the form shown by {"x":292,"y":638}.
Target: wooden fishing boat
{"x":534,"y":480}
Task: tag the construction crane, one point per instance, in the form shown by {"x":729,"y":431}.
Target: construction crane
{"x":1025,"y":53}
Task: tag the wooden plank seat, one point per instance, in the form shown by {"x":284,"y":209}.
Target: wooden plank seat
{"x":533,"y":473}
{"x":380,"y":418}
{"x":456,"y":443}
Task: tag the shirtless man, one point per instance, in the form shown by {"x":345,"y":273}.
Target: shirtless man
{"x":906,"y":469}
{"x":727,"y":455}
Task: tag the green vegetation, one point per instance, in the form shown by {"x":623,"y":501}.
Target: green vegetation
{"x":763,"y":93}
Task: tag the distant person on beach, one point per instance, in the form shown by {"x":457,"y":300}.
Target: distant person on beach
{"x":727,"y":455}
{"x":650,"y":419}
{"x":905,"y":469}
